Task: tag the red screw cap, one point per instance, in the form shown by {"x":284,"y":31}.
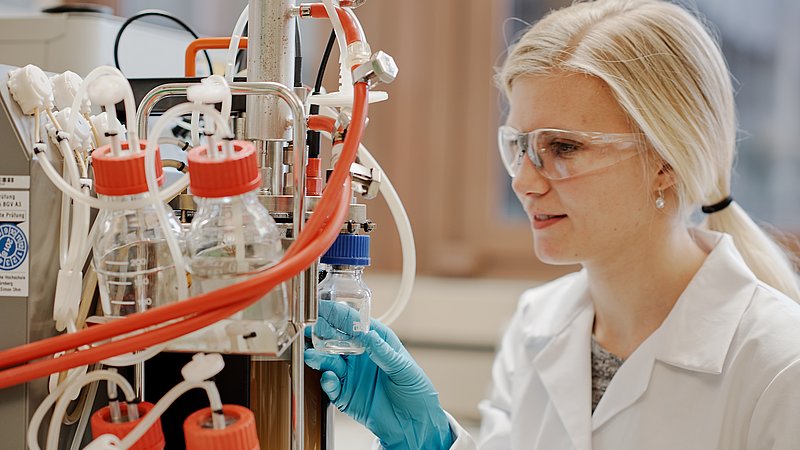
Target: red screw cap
{"x":153,"y":439}
{"x":122,"y":175}
{"x":240,"y":434}
{"x":224,"y":176}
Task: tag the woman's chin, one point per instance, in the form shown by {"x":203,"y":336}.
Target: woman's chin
{"x":554,"y":256}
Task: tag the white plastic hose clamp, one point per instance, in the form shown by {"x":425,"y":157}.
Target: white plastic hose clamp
{"x":202,"y":367}
{"x":31,"y":89}
{"x":211,"y":90}
{"x":81,"y":137}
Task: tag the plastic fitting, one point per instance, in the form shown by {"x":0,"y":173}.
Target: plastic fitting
{"x":202,"y":367}
{"x":81,"y":137}
{"x":104,"y":442}
{"x":100,"y":123}
{"x":31,"y":89}
{"x":65,"y":88}
{"x":107,"y":90}
{"x":211,"y":90}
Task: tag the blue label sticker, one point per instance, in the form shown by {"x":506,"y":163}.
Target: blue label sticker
{"x":13,"y":246}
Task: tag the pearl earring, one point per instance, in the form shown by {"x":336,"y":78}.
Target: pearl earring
{"x":660,"y":202}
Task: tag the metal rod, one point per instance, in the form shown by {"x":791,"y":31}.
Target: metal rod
{"x":271,"y":34}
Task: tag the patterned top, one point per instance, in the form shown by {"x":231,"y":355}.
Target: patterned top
{"x":604,"y":367}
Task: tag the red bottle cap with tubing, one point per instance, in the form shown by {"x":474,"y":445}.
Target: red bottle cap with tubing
{"x":123,"y":174}
{"x":239,"y":434}
{"x":221,"y":174}
{"x":153,"y":439}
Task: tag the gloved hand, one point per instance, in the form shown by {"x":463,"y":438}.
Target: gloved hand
{"x":383,"y":388}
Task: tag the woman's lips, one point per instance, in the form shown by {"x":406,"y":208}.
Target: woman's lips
{"x":541,"y":221}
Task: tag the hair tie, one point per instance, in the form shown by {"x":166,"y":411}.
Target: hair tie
{"x":718,"y":206}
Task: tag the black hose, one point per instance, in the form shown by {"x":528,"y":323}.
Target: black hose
{"x":160,"y":13}
{"x":313,"y":136}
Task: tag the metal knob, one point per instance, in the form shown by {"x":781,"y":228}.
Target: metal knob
{"x":379,"y":69}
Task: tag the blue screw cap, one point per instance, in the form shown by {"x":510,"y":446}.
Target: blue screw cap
{"x":348,"y":250}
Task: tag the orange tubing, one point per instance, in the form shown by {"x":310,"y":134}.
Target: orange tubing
{"x":38,"y":369}
{"x":321,"y":123}
{"x":207,"y":308}
{"x":209,"y":43}
{"x":352,"y":32}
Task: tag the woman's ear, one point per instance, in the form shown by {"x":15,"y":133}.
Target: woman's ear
{"x":665,"y":178}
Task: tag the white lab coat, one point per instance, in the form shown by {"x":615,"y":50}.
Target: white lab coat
{"x":721,"y":372}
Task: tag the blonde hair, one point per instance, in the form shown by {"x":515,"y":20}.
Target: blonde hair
{"x":667,"y":72}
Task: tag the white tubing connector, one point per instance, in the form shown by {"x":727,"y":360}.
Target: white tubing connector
{"x":202,"y":367}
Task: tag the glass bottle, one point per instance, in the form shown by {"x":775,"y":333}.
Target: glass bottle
{"x":135,"y":269}
{"x":232,"y":238}
{"x":345,"y":299}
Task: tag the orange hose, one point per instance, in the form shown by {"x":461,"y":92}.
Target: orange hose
{"x":321,"y":123}
{"x":165,"y":333}
{"x":352,"y":33}
{"x":207,"y":308}
{"x":208,"y":43}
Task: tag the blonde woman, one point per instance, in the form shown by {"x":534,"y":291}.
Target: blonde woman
{"x":673,"y":336}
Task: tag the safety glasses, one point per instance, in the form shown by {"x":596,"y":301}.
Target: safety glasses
{"x":559,"y":154}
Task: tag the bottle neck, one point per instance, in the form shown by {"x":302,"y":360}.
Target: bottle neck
{"x":345,"y":269}
{"x":246,"y":198}
{"x":121,"y":198}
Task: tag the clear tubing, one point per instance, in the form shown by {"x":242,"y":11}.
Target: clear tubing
{"x":38,"y":415}
{"x":63,"y":232}
{"x":83,"y":422}
{"x":169,"y":140}
{"x":404,"y":230}
{"x":114,"y":130}
{"x":406,"y":240}
{"x":152,"y":185}
{"x":68,"y":247}
{"x":63,"y":402}
{"x":128,"y":100}
{"x":233,"y":47}
{"x":130,"y":359}
{"x":336,"y":23}
{"x":164,"y":195}
{"x":195,"y":128}
{"x":166,"y":401}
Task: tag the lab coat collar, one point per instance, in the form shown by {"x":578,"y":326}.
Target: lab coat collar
{"x":698,"y":332}
{"x":695,"y":336}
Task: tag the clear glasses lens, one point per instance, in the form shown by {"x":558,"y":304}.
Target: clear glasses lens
{"x":562,"y":154}
{"x":511,"y":151}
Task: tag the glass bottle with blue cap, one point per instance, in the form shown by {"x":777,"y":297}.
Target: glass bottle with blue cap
{"x":344,"y":298}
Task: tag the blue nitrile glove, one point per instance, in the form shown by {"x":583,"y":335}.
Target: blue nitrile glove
{"x":383,"y":388}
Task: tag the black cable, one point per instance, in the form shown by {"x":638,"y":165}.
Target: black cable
{"x":160,"y":13}
{"x":313,"y":136}
{"x":298,"y":55}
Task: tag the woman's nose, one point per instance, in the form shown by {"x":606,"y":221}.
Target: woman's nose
{"x":530,"y":180}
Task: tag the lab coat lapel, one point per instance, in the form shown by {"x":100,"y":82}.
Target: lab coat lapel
{"x":564,"y":368}
{"x":627,"y":385}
